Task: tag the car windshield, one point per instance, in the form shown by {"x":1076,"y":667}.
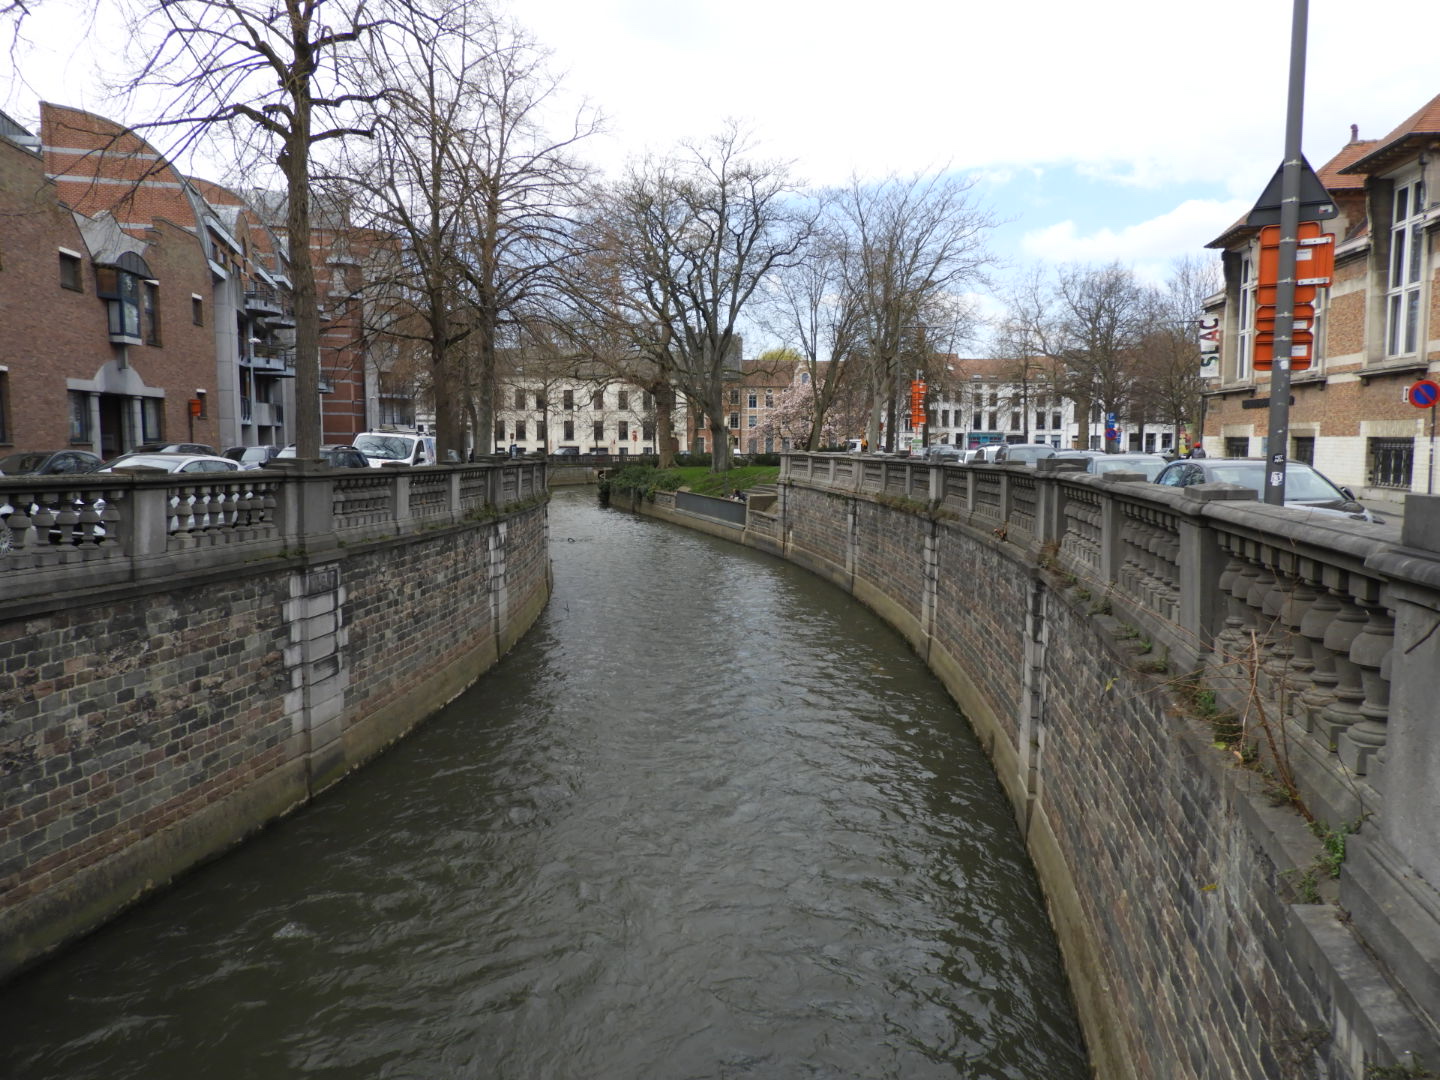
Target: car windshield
{"x":1302,"y":484}
{"x":389,"y":447}
{"x":256,"y":453}
{"x":1151,"y":469}
{"x":155,"y":461}
{"x":20,"y":464}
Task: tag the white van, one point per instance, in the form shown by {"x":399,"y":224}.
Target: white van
{"x":395,"y":448}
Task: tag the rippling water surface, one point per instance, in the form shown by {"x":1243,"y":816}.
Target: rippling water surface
{"x":709,"y":819}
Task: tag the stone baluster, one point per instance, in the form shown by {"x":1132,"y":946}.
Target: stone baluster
{"x":43,"y":518}
{"x":1264,"y":604}
{"x":1299,"y":602}
{"x":1344,"y":711}
{"x":67,"y":518}
{"x":102,"y":517}
{"x":1361,"y":744}
{"x":1237,"y":661}
{"x":1228,"y":640}
{"x":1282,"y":648}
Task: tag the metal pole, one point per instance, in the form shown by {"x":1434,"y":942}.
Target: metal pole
{"x":1277,"y":445}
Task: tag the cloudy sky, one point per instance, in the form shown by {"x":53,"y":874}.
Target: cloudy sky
{"x":1119,"y":129}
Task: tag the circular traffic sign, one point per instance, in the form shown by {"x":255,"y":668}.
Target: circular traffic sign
{"x":1424,"y":394}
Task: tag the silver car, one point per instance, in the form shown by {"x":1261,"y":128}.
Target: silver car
{"x":1305,"y":487}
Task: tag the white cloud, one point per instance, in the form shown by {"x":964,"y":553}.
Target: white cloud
{"x":1146,"y":245}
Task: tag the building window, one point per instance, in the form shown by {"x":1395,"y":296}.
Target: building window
{"x":753,"y":400}
{"x":597,"y":400}
{"x":197,"y":310}
{"x":754,"y":445}
{"x":1245,"y":322}
{"x":520,"y":399}
{"x":734,"y":417}
{"x":647,"y":432}
{"x":499,"y":432}
{"x":540,"y":432}
{"x":622,"y":399}
{"x":150,"y":311}
{"x":599,"y":430}
{"x":569,"y":400}
{"x":649,"y":400}
{"x":120,"y":290}
{"x":519,"y":430}
{"x":569,"y":430}
{"x":152,"y":419}
{"x":990,"y":422}
{"x":804,"y":378}
{"x":753,"y":420}
{"x":978,"y":422}
{"x":1055,"y":421}
{"x":1304,"y":449}
{"x":1014,"y":419}
{"x":734,"y":397}
{"x":1407,"y":254}
{"x":70,"y":272}
{"x":1391,"y":462}
{"x":622,"y":430}
{"x":1039,"y":421}
{"x":1237,"y":446}
{"x":80,"y":417}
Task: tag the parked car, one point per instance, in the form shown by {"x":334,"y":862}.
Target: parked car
{"x":1149,"y":464}
{"x":1306,"y":488}
{"x":396,"y":448}
{"x":173,"y":448}
{"x":50,"y":463}
{"x":565,"y":451}
{"x":336,"y":455}
{"x":1029,"y":453}
{"x":172,"y":462}
{"x":943,"y":452}
{"x":253,"y":457}
{"x":986,"y":455}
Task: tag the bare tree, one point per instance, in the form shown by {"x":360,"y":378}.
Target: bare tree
{"x":1168,"y":384}
{"x":691,"y":239}
{"x":475,"y":191}
{"x":284,"y":69}
{"x":909,"y":242}
{"x":812,"y":305}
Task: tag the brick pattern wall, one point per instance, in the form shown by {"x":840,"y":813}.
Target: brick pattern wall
{"x":1187,"y":909}
{"x":980,"y":610}
{"x":121,"y":722}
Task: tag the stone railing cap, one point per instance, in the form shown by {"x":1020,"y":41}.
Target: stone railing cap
{"x":1220,"y":493}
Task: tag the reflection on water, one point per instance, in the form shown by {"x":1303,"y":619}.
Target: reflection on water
{"x":709,"y":819}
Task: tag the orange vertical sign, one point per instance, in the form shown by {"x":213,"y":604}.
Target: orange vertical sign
{"x":917,"y":403}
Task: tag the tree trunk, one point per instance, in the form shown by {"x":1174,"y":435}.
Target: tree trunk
{"x":294,"y":160}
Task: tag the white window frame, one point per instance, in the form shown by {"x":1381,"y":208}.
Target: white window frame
{"x":1245,"y":319}
{"x":1405,"y":272}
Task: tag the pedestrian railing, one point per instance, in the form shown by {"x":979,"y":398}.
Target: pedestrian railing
{"x":84,"y":531}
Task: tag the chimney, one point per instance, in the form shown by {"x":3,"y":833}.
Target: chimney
{"x":1354,"y":132}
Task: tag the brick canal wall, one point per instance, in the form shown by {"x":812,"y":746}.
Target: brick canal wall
{"x":1202,"y":932}
{"x":148,"y":725}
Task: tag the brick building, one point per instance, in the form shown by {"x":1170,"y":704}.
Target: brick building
{"x":138,"y":304}
{"x":1375,"y":329}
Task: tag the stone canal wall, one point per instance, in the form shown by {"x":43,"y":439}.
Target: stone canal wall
{"x":1216,"y":723}
{"x":182,"y":663}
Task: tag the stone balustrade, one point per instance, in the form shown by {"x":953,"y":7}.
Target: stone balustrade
{"x":88,"y":531}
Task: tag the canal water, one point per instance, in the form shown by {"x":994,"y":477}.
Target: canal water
{"x":710,"y":819}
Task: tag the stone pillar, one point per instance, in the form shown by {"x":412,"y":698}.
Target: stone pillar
{"x":1411,"y":796}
